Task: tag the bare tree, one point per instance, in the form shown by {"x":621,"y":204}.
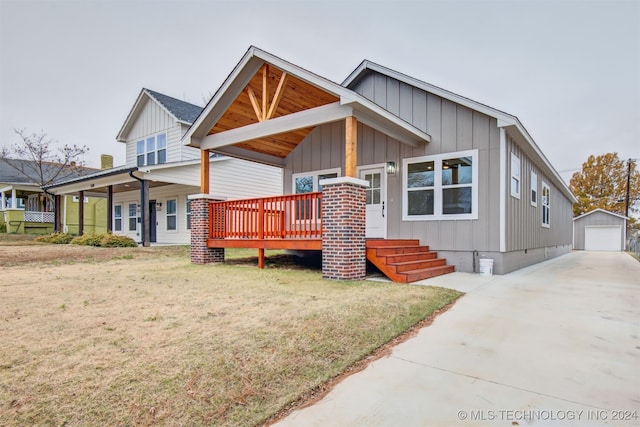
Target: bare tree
{"x":40,"y":160}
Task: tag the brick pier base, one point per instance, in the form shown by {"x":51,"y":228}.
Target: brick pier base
{"x":200,"y":253}
{"x":344,"y":255}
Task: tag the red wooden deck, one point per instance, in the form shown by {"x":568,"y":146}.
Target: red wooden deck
{"x":279,"y":222}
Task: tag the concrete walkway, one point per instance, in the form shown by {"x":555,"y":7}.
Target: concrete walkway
{"x":553,"y":344}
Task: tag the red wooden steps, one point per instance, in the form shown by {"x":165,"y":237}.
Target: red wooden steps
{"x":405,"y":260}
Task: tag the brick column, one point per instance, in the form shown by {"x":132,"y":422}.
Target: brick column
{"x":200,"y":253}
{"x":344,"y":254}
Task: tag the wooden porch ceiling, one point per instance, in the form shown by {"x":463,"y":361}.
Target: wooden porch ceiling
{"x":272,"y":93}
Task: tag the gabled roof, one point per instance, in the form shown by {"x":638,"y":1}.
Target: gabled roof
{"x":19,"y":171}
{"x":184,"y":112}
{"x":603,"y":211}
{"x":291,"y":122}
{"x":505,"y":120}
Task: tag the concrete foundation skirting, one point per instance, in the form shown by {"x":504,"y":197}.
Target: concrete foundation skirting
{"x":503,"y":263}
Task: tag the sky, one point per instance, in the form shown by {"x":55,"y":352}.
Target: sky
{"x":569,"y":70}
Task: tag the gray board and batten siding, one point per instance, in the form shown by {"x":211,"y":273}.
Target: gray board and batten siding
{"x":453,"y":127}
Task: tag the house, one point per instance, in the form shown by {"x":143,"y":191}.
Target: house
{"x":600,"y":230}
{"x":382,"y":167}
{"x":146,"y":199}
{"x":26,"y":208}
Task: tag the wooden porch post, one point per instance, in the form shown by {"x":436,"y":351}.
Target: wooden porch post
{"x":351,"y":146}
{"x":81,"y":213}
{"x":57,"y":215}
{"x":204,"y":171}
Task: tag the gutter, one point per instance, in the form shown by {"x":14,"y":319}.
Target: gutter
{"x":143,"y":209}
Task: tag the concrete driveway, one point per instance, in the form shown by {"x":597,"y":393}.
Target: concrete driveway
{"x":553,"y":344}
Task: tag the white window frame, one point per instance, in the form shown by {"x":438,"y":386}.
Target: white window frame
{"x":167,"y":214}
{"x":116,"y":217}
{"x":534,"y":189}
{"x":316,"y":185}
{"x":546,"y":205}
{"x":129,"y":217}
{"x":438,"y":187}
{"x":143,"y":150}
{"x":188,"y":214}
{"x":517,"y":178}
{"x":75,"y":199}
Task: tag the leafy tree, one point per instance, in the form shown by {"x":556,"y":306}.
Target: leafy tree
{"x":40,"y":160}
{"x":602,"y":183}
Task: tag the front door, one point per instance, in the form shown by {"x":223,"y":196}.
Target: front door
{"x":152,"y":221}
{"x":376,"y":200}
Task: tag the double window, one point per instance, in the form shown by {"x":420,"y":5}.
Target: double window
{"x":441,"y":187}
{"x":152,"y":150}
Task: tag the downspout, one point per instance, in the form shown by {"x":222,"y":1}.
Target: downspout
{"x":143,"y":209}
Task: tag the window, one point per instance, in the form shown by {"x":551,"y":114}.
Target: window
{"x":117,"y":217}
{"x":444,"y":186}
{"x":133,"y":217}
{"x":152,"y":151}
{"x":188,"y":214}
{"x":515,"y":176}
{"x":534,"y":188}
{"x":309,"y":182}
{"x":172,"y":214}
{"x":546,"y":205}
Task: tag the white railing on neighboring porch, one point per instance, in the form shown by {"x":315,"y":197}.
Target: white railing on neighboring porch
{"x":33,"y":216}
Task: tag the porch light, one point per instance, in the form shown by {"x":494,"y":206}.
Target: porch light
{"x":391,"y":168}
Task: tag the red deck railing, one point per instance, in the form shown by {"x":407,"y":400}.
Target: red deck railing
{"x":295,"y":216}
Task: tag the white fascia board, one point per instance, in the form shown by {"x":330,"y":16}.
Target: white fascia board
{"x":132,"y":113}
{"x":556,"y":176}
{"x":603,"y":211}
{"x":300,"y":120}
{"x":392,"y":126}
{"x":474,"y":105}
{"x":241,"y":153}
{"x":176,"y":178}
{"x":223,"y":98}
{"x":88,"y":185}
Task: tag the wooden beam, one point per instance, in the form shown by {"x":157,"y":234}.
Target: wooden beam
{"x":277,"y":96}
{"x":254,"y":103}
{"x":265,"y":91}
{"x":204,"y":171}
{"x":351,"y":146}
{"x":295,"y":121}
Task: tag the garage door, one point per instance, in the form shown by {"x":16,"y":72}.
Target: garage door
{"x":603,"y":238}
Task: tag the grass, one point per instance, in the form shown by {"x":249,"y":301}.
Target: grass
{"x":156,"y":340}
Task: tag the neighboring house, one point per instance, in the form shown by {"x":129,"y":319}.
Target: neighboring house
{"x":600,"y":230}
{"x":26,"y":208}
{"x":146,"y":198}
{"x":387,"y":156}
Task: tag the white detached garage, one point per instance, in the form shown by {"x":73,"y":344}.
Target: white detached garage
{"x":599,"y":230}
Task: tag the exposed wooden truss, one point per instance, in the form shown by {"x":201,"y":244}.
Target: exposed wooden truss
{"x":272,"y":93}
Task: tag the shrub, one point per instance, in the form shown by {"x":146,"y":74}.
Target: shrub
{"x":57,"y":238}
{"x":111,"y":241}
{"x":88,"y":239}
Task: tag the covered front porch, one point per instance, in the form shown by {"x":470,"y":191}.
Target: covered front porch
{"x":264,"y":112}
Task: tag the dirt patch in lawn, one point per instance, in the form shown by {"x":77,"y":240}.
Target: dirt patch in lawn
{"x":139,"y":336}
